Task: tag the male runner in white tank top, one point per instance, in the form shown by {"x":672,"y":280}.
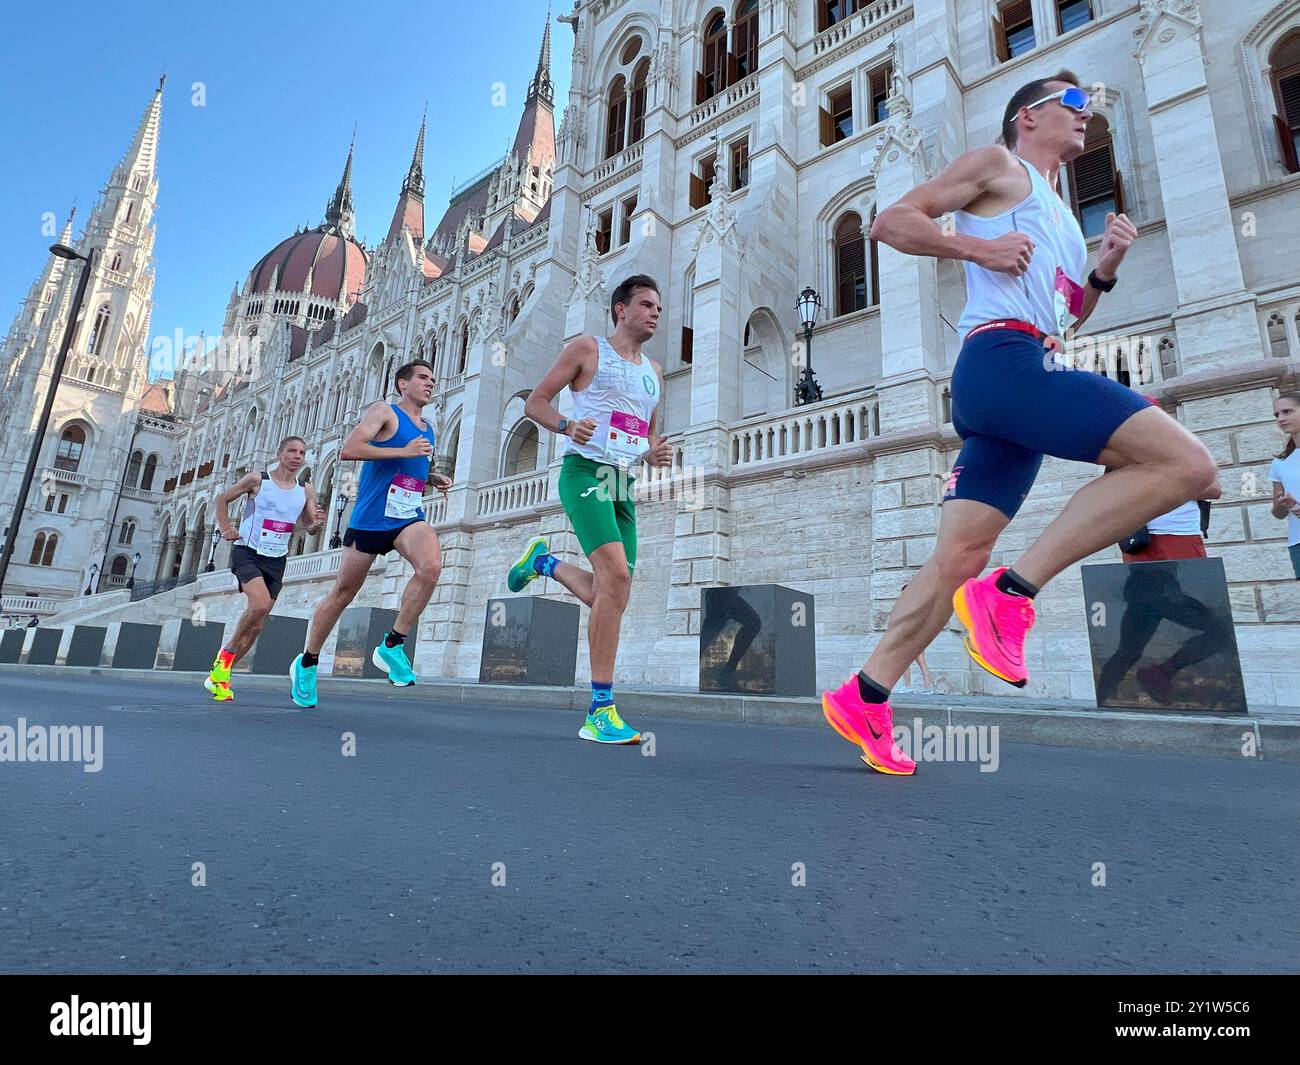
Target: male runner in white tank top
{"x":274,"y":503}
{"x":1023,"y":253}
{"x":616,"y":391}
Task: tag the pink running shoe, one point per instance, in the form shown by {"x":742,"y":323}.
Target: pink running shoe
{"x":996,"y":627}
{"x":869,"y":725}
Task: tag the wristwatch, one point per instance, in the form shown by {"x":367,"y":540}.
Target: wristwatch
{"x":564,"y":424}
{"x":1099,"y":284}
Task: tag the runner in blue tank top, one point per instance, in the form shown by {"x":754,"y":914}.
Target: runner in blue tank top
{"x":1015,"y":399}
{"x":396,"y":447}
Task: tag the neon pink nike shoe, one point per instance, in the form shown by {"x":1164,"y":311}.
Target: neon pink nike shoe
{"x":869,"y":725}
{"x":996,"y":627}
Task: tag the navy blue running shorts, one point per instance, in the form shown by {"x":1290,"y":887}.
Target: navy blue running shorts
{"x":1011,"y":406}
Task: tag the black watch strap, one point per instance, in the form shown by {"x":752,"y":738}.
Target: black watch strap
{"x":1099,"y":284}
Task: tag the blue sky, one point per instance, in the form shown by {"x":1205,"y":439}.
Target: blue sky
{"x":284,"y":84}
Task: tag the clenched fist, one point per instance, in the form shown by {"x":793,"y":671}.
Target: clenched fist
{"x":1007,"y":254}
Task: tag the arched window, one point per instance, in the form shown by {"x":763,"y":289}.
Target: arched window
{"x":98,"y":331}
{"x":150,"y":468}
{"x":130,"y":210}
{"x":464,"y":348}
{"x":713,"y":78}
{"x":514,"y":309}
{"x":118,"y":568}
{"x":453,"y":451}
{"x":616,"y":118}
{"x":744,"y":38}
{"x":133,"y":469}
{"x":71,"y":445}
{"x":521,"y":450}
{"x":636,"y":129}
{"x":1095,"y":184}
{"x":117,"y":262}
{"x":128,"y":531}
{"x":47,"y":556}
{"x":1284,"y":62}
{"x":850,"y":265}
{"x":38,"y":548}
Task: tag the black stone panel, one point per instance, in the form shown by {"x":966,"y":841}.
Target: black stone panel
{"x":758,"y":639}
{"x":87,"y":645}
{"x":530,"y":640}
{"x":1162,"y":637}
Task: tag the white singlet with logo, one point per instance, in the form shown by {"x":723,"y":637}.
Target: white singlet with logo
{"x":270,"y":516}
{"x":621,"y":398}
{"x":1048,"y":295}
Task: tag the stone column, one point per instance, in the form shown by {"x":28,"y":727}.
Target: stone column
{"x":1216,"y":317}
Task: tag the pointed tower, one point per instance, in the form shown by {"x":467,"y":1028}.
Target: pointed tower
{"x":534,"y":147}
{"x":410,"y":204}
{"x":340,"y":217}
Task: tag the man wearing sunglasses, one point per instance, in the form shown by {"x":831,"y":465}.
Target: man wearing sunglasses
{"x":1015,"y":400}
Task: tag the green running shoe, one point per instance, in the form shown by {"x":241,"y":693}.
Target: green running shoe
{"x":303,"y":688}
{"x":605,"y":726}
{"x":522,"y":571}
{"x":393,"y":661}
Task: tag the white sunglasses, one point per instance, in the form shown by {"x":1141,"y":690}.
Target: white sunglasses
{"x":1074,"y":98}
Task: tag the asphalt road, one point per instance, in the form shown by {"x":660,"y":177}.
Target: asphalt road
{"x":614,"y":861}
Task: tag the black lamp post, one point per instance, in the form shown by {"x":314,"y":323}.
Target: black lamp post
{"x":212,"y":555}
{"x":808,"y":390}
{"x":340,"y":505}
{"x":135,"y":561}
{"x":63,"y":252}
{"x":90,"y":585}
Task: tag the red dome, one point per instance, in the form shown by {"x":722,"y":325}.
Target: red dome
{"x":337,"y":266}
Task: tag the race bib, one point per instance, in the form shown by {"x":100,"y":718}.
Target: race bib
{"x":404,"y":497}
{"x":273,"y":540}
{"x":1069,"y":299}
{"x":625,"y":439}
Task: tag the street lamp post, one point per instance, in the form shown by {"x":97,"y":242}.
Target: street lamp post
{"x":808,"y":390}
{"x":94,"y":571}
{"x":340,"y":505}
{"x":63,"y":252}
{"x":212,"y":556}
{"x":135,"y":561}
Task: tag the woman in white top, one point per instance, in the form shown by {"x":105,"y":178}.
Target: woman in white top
{"x":1285,"y":473}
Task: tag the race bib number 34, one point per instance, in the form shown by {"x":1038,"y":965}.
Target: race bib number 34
{"x":273,"y":542}
{"x":625,"y":439}
{"x":404,"y":497}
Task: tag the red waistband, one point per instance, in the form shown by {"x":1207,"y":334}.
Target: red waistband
{"x":1009,"y":323}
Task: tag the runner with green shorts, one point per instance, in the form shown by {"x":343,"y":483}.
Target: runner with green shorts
{"x":616,"y":392}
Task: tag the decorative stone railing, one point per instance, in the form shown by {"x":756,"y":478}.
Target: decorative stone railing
{"x":723,"y":101}
{"x":513,"y":493}
{"x":828,"y":426}
{"x":1280,"y":325}
{"x":859,"y":22}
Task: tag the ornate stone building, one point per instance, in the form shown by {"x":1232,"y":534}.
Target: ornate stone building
{"x":737,"y":151}
{"x":109,"y":440}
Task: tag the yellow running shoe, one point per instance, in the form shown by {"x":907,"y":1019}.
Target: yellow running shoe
{"x":220,"y":689}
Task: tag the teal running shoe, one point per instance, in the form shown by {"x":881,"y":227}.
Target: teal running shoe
{"x":605,"y":726}
{"x":393,"y":661}
{"x":522,"y":571}
{"x":303,"y":687}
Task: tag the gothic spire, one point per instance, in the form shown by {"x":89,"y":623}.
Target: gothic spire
{"x":340,"y":214}
{"x":541,"y":85}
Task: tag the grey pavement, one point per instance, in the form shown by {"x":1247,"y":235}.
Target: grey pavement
{"x":613,"y":861}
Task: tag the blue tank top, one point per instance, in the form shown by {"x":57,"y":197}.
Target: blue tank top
{"x":390,"y":491}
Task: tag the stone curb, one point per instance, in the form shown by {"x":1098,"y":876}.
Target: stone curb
{"x":1276,"y":736}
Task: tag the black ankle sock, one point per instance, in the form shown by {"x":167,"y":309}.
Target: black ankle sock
{"x":870,"y":691}
{"x":309,"y":659}
{"x":394,"y":639}
{"x":1013,"y":584}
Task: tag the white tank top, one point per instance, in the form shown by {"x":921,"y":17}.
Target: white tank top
{"x":269,"y":518}
{"x":620,"y":399}
{"x":1036,"y":296}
